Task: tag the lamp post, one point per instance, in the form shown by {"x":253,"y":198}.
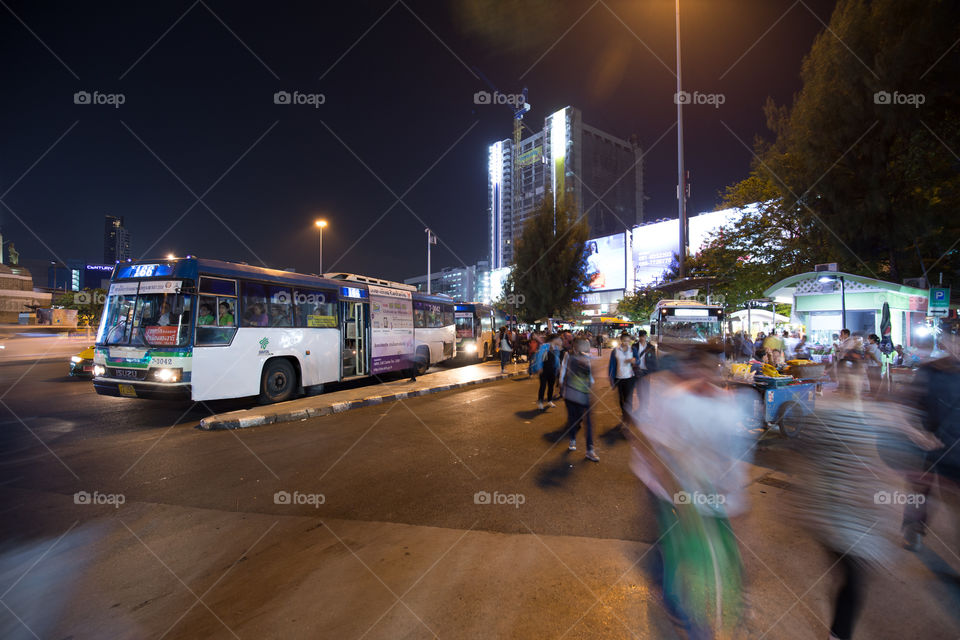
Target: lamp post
{"x":843,"y":297}
{"x":320,"y":224}
{"x":681,"y":174}
{"x":431,"y":239}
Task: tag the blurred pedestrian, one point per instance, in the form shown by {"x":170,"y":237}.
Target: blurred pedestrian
{"x":577,"y":381}
{"x":937,"y":392}
{"x":691,"y":456}
{"x":840,"y":492}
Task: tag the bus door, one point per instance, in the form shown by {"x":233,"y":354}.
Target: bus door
{"x":355,"y":344}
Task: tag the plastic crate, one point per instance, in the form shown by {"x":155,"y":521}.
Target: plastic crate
{"x":774,"y":382}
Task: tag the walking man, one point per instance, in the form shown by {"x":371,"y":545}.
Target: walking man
{"x":623,"y":377}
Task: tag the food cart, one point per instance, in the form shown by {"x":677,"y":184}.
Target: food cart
{"x":775,"y":399}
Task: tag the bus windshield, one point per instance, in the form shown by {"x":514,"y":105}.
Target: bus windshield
{"x":464,"y":325}
{"x":690,"y":330}
{"x":147,"y":319}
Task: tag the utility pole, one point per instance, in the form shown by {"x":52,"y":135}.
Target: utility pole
{"x":681,"y":175}
{"x":431,"y":239}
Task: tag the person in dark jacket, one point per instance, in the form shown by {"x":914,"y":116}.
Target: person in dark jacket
{"x":937,"y":389}
{"x":645,"y":355}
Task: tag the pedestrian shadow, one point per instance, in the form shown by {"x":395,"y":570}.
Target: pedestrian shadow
{"x":613,"y":435}
{"x":529,"y":414}
{"x":555,"y":475}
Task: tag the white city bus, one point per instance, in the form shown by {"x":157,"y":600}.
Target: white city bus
{"x":677,"y":322}
{"x":207,"y":330}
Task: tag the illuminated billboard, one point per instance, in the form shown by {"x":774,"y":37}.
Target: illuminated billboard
{"x":606,"y":262}
{"x":654,"y":245}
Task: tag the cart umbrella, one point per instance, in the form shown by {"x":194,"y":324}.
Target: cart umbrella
{"x":886,"y":344}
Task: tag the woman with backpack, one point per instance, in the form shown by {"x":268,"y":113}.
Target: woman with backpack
{"x":546,"y":361}
{"x":577,"y":380}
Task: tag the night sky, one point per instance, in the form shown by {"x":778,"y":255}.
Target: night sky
{"x":398,"y":121}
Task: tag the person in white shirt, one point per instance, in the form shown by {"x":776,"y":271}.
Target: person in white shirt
{"x":623,"y":376}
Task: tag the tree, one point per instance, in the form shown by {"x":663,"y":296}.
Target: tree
{"x":639,"y":306}
{"x":88,"y":303}
{"x":550,"y":263}
{"x":860,"y":170}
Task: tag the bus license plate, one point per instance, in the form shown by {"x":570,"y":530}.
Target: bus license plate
{"x":127,"y":390}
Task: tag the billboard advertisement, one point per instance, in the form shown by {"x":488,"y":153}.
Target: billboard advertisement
{"x":606,"y":262}
{"x":391,"y":329}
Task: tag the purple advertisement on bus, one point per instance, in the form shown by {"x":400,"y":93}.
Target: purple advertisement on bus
{"x":391,"y":329}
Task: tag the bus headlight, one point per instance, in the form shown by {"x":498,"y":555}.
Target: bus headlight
{"x":76,"y":359}
{"x":166,"y":375}
{"x":470,"y":347}
{"x":98,"y":370}
{"x":614,"y":343}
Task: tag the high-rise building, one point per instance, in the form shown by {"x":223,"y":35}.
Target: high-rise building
{"x":116,"y":240}
{"x":598,"y":173}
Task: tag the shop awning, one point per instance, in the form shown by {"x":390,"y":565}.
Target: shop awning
{"x":784,"y":290}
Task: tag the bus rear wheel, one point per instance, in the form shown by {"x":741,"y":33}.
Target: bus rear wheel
{"x":279,"y":381}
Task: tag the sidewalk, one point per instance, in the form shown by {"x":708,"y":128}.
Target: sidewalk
{"x":340,"y":401}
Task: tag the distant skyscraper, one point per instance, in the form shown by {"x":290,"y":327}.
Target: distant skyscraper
{"x":116,"y":240}
{"x":600,"y":173}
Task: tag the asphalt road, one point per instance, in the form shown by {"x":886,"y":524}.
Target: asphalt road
{"x":388,"y":533}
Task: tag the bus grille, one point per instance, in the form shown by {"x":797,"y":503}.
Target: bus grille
{"x":126,"y":374}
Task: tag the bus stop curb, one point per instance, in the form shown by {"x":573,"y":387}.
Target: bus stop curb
{"x":246,"y":418}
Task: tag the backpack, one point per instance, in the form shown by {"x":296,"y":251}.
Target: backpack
{"x":550,"y":362}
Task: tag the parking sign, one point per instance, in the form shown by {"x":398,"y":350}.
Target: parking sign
{"x":939,"y":303}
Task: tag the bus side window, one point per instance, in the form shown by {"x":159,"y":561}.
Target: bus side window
{"x":315,"y":309}
{"x":254,"y":303}
{"x":419,"y":318}
{"x":281,"y":307}
{"x":216,"y":320}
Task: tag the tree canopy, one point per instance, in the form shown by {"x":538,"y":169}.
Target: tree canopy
{"x":550,"y":263}
{"x":863,"y":166}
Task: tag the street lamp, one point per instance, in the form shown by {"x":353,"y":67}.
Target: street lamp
{"x":320,"y":224}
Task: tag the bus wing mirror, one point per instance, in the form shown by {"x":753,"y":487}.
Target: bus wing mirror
{"x":653,"y":329}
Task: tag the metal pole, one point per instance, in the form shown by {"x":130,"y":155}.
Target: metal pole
{"x":843,"y":304}
{"x":428,"y":260}
{"x":681,"y":178}
{"x":320,"y":258}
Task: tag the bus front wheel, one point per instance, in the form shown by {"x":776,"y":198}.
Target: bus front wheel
{"x":279,"y":381}
{"x":422,"y":361}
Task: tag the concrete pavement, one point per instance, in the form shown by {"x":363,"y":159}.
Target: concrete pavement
{"x":399,"y":517}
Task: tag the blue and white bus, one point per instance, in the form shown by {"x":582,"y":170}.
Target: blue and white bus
{"x":208,"y":330}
